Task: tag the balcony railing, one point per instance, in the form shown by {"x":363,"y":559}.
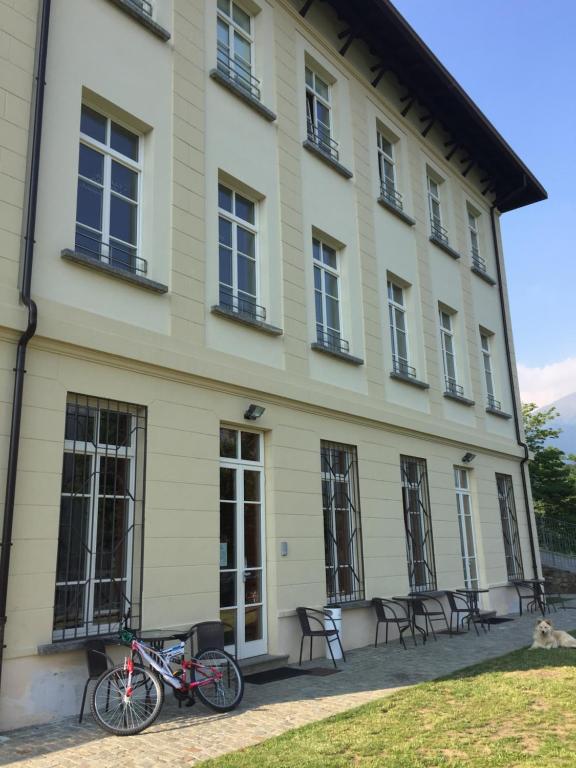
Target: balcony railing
{"x":477,"y":260}
{"x":391,"y":195}
{"x":143,"y":6}
{"x":494,"y":404}
{"x":238,"y":72}
{"x":243,"y":306}
{"x":401,"y":366}
{"x":319,"y":135}
{"x":438,"y":231}
{"x":113,"y":253}
{"x":452,"y":388}
{"x":332,"y":340}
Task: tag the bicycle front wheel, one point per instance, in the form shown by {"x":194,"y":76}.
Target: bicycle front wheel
{"x":124,"y":712}
{"x":221,"y":685}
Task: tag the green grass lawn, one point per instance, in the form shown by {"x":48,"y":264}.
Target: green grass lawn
{"x":517,"y":710}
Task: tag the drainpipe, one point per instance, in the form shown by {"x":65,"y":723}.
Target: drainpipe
{"x":28,"y":253}
{"x":515,"y":410}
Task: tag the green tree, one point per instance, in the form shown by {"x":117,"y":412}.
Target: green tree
{"x":553,"y":480}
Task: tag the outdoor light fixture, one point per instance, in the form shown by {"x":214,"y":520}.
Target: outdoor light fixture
{"x":468,"y":457}
{"x":254,"y":412}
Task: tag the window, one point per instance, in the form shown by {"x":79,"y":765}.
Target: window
{"x":488,"y":374}
{"x":387,"y":171}
{"x":466,"y":526}
{"x":318,"y":114}
{"x":418,"y":524}
{"x":512,"y":551}
{"x":327,"y":297}
{"x":237,"y":235}
{"x":99,"y":566}
{"x":399,"y":330}
{"x":449,"y":354}
{"x":109,"y":181}
{"x":342,"y":530}
{"x":477,"y":260}
{"x":438,"y":230}
{"x":144,"y":6}
{"x":235,"y":46}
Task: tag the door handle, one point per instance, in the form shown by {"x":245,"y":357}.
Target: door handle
{"x":246,"y":574}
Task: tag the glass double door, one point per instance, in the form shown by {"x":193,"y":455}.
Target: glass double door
{"x":242,"y":571}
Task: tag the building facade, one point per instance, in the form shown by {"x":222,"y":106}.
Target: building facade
{"x":272,"y":364}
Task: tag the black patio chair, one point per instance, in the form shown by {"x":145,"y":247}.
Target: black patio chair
{"x":210,"y":634}
{"x":305,"y":615}
{"x":431,"y":613}
{"x":390,"y":612}
{"x":98,"y":662}
{"x":526,"y":594}
{"x":459,"y":607}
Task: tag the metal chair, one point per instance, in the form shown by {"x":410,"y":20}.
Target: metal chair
{"x":421,"y":608}
{"x":459,"y":606}
{"x":98,"y":662}
{"x":526,"y":593}
{"x":305,"y":615}
{"x":390,"y":612}
{"x":209,"y":634}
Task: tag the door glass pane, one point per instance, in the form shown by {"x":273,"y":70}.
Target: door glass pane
{"x":227,"y":589}
{"x":251,"y":485}
{"x":253,"y":625}
{"x":228,"y":617}
{"x":252,"y":588}
{"x":227,"y":535}
{"x":252,"y":540}
{"x":227,"y":483}
{"x":228,"y":443}
{"x":250,"y":446}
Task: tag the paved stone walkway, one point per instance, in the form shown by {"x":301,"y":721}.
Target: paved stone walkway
{"x":187,"y":736}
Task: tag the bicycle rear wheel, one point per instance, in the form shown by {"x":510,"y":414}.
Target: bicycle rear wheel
{"x":222,"y":694}
{"x":124,"y":715}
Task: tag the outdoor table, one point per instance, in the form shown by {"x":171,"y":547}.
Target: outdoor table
{"x":472,"y":595}
{"x":410,"y":601}
{"x":157,"y":637}
{"x":537,"y":586}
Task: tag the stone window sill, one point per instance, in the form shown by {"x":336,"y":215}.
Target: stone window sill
{"x":344,"y":356}
{"x":338,"y":167}
{"x":444,"y":247}
{"x":497,"y":412}
{"x":107,"y":269}
{"x":78,"y":644}
{"x":142,"y":18}
{"x":459,"y":399}
{"x":409,"y":380}
{"x":397,"y":212}
{"x":243,"y":95}
{"x":483,"y":275}
{"x":259,"y":325}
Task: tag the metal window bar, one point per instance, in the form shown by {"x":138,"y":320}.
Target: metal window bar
{"x":477,"y":260}
{"x":112,"y":253}
{"x":418,"y":525}
{"x":401,"y":366}
{"x":512,"y":550}
{"x":342,"y":523}
{"x":332,"y":340}
{"x":438,"y":231}
{"x":143,"y":6}
{"x":496,"y":405}
{"x":319,"y":135}
{"x":241,"y":305}
{"x":556,"y":535}
{"x":100,"y":542}
{"x":237,"y":71}
{"x":453,"y":388}
{"x":391,"y":195}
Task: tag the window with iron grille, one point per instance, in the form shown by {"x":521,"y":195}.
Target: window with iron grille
{"x":512,"y":550}
{"x":418,"y":524}
{"x":342,"y":529}
{"x":100,"y":538}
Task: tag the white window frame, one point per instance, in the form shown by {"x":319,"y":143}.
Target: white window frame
{"x":242,"y":73}
{"x":110,"y":155}
{"x":485,"y":346}
{"x":477,"y":260}
{"x":327,"y":331}
{"x":466,"y":526}
{"x":321,"y":137}
{"x":435,"y":208}
{"x":398,"y":365}
{"x":388,"y":183}
{"x":236,"y":222}
{"x":447,"y":338}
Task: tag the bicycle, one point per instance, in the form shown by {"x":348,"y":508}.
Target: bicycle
{"x":128,"y":697}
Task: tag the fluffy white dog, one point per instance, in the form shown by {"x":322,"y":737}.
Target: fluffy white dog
{"x":545,"y":636}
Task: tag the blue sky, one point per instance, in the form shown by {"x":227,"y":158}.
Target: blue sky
{"x":516,"y":60}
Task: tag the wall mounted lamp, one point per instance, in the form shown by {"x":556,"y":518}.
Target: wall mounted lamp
{"x":468,"y":457}
{"x":254,"y":412}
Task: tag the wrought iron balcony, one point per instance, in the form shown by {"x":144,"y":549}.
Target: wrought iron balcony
{"x":494,"y":404}
{"x":243,"y":306}
{"x":238,"y":72}
{"x":452,"y":388}
{"x":401,"y":366}
{"x":319,"y":135}
{"x":477,"y":260}
{"x":332,"y":340}
{"x":391,"y":195}
{"x":143,"y":6}
{"x":438,"y":231}
{"x":113,"y":253}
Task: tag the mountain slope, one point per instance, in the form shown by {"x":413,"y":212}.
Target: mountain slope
{"x":566,"y":407}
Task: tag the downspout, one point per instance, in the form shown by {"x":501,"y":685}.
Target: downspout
{"x":28,"y":253}
{"x":515,"y":411}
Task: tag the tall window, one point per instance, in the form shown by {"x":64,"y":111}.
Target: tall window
{"x":237,"y":253}
{"x":398,"y":330}
{"x":327,"y":296}
{"x":235,"y":46}
{"x":387,"y":170}
{"x":466,"y":525}
{"x":477,"y":259}
{"x":488,"y":374}
{"x":342,"y":529}
{"x":512,"y":551}
{"x":418,"y":524}
{"x":99,"y":566}
{"x":318,"y":113}
{"x":449,"y":354}
{"x":107,"y":206}
{"x":435,"y":210}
